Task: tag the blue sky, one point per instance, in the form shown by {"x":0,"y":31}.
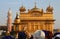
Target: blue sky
{"x":15,"y":5}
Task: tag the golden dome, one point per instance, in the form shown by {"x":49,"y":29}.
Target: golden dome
{"x":17,"y":19}
{"x":22,"y":8}
{"x":49,"y":9}
{"x":37,"y":9}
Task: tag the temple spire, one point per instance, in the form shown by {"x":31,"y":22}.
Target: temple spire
{"x":17,"y":15}
{"x":35,"y":5}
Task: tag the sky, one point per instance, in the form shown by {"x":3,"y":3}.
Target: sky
{"x":16,"y":4}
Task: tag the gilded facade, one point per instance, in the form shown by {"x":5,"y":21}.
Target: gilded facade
{"x":34,"y":19}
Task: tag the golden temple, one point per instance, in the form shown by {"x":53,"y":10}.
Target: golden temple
{"x":34,"y":19}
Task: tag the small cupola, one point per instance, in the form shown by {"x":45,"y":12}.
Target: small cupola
{"x":17,"y":16}
{"x":22,"y":9}
{"x":17,"y":19}
{"x":49,"y":9}
{"x":35,"y":9}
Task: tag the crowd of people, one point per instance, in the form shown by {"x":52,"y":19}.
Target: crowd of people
{"x":39,"y":34}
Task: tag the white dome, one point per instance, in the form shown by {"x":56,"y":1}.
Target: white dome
{"x":39,"y":34}
{"x":9,"y":11}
